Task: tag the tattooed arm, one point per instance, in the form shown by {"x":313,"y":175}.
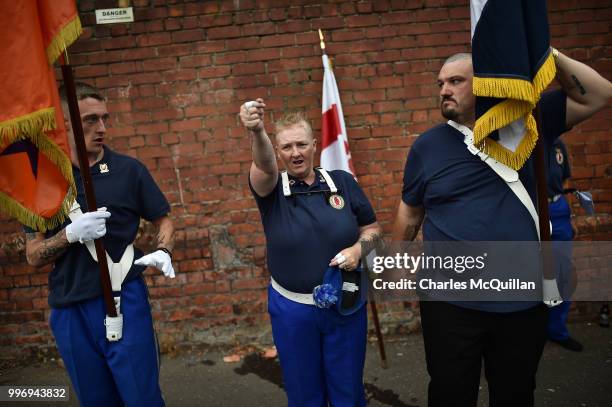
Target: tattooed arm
{"x":370,"y":235}
{"x":41,"y":250}
{"x":587,"y":91}
{"x":407,"y":222}
{"x":165,"y":233}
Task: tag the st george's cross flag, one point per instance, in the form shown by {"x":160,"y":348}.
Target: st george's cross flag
{"x":513,"y":64}
{"x":335,"y":154}
{"x":36,"y":183}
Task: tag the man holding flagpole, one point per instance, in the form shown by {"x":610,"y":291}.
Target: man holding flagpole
{"x":457,"y":191}
{"x":461,"y":198}
{"x":105,"y":371}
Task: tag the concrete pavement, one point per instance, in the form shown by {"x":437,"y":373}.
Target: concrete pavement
{"x":565,"y":379}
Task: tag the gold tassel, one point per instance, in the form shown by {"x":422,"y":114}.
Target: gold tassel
{"x":27,"y":125}
{"x":26,"y":217}
{"x":62,"y":40}
{"x":521,"y":97}
{"x":503,"y":88}
{"x":58,"y":157}
{"x":497,"y":117}
{"x":514,"y":159}
{"x":545,"y":75}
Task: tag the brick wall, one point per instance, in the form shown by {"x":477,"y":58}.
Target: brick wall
{"x":175,"y":79}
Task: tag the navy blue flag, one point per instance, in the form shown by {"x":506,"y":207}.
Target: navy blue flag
{"x":513,"y":64}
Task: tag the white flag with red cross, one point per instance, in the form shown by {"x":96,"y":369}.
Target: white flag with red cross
{"x":335,"y":154}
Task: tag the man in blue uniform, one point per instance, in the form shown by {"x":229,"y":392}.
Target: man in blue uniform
{"x":462,"y":198}
{"x":558,"y":172}
{"x":312,"y":220}
{"x":103,"y":372}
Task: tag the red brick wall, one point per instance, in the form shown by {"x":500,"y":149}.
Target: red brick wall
{"x":175,"y":79}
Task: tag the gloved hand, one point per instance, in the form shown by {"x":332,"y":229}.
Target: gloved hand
{"x":89,"y":226}
{"x":550,"y":293}
{"x":158,"y":259}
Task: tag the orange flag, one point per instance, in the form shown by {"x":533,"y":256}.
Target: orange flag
{"x":36,"y":183}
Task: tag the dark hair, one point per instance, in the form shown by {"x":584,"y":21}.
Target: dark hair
{"x":83,"y":91}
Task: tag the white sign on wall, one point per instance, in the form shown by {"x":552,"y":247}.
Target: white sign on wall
{"x":115,"y":15}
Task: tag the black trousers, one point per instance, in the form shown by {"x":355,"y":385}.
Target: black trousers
{"x":458,"y":339}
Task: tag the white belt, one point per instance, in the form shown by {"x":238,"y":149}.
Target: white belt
{"x":117,"y":271}
{"x":290,"y":295}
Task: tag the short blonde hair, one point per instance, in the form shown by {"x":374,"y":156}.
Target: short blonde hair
{"x":294,"y":119}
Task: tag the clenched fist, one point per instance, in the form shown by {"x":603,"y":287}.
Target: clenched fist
{"x":251,"y":115}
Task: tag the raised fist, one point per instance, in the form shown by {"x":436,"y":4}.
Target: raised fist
{"x":251,"y":115}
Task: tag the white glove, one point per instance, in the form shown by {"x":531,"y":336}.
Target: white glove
{"x":158,"y":259}
{"x":550,"y":293}
{"x":89,"y":226}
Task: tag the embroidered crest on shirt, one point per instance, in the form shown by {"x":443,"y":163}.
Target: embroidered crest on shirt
{"x":103,"y":168}
{"x":336,"y":201}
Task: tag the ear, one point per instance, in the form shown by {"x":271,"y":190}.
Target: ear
{"x":314,"y":144}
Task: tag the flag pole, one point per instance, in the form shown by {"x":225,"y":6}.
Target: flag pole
{"x":379,"y":336}
{"x":542,"y":193}
{"x":322,"y":42}
{"x":77,"y":130}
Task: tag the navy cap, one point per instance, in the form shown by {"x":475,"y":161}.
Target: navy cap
{"x":346,"y":291}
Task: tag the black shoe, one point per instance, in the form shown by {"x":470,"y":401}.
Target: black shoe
{"x":570,"y":344}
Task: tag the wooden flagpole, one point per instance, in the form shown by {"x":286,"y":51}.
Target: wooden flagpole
{"x":77,"y":129}
{"x":379,"y":336}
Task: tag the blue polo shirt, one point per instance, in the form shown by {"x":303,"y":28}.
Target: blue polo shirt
{"x":464,"y":199}
{"x":129,"y":193}
{"x":304,"y":231}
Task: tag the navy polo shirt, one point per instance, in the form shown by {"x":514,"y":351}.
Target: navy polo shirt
{"x":463,"y":198}
{"x":129,"y":193}
{"x":304,"y":232}
{"x":558,"y":169}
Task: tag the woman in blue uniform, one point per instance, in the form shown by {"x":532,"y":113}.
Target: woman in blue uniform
{"x":312,"y":219}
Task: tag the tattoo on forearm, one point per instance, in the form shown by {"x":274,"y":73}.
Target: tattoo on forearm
{"x":371,"y":241}
{"x":165,"y":240}
{"x":579,"y":85}
{"x":51,"y":248}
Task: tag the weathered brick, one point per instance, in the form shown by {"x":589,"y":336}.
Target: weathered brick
{"x":175,"y":79}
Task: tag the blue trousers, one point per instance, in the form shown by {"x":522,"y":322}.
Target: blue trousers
{"x":562,"y":235}
{"x":322,"y":353}
{"x":106,"y":373}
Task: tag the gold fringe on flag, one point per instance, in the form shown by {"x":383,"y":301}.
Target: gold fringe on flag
{"x":513,"y":159}
{"x":26,"y":216}
{"x":508,"y":88}
{"x":28,"y":124}
{"x":521,"y":97}
{"x":66,"y":36}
